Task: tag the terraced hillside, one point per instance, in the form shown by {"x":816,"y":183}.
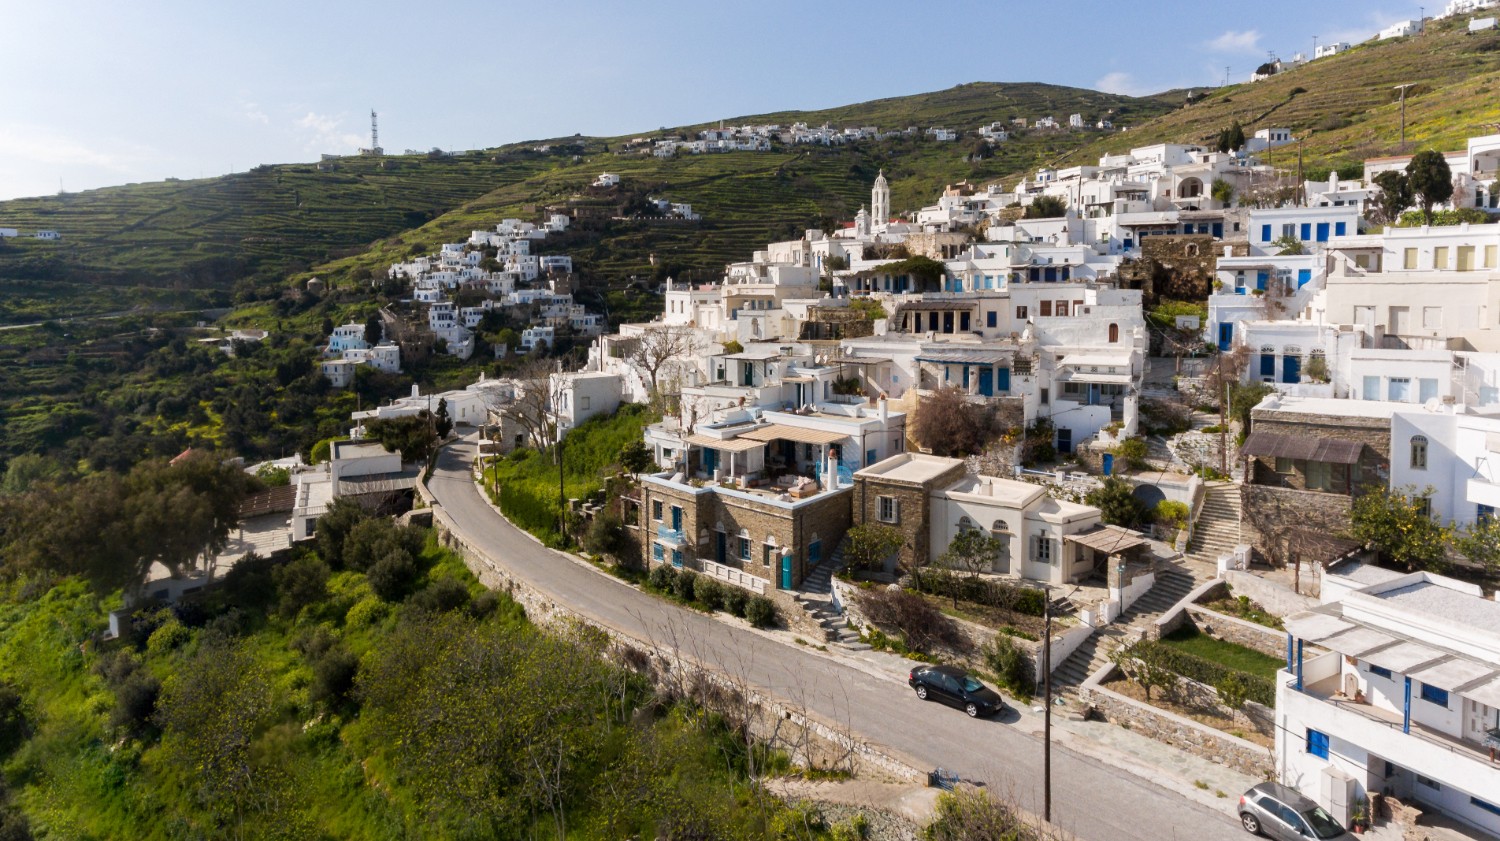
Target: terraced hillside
{"x":1345,"y":107}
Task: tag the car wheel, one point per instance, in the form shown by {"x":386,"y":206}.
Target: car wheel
{"x":972,"y":710}
{"x":921,"y":692}
{"x":1250,"y":822}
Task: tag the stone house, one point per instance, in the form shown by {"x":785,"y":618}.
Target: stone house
{"x":755,"y":538}
{"x":1306,"y":460}
{"x":899,"y":492}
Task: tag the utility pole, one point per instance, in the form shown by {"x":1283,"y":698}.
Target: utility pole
{"x":1403,"y":88}
{"x":1047,"y":710}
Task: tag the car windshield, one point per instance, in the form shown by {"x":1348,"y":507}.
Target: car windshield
{"x":970,"y":684}
{"x":1323,"y":824}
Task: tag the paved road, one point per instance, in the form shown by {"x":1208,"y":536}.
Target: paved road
{"x":1095,"y":801}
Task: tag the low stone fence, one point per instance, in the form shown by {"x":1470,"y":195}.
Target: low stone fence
{"x":1182,"y":733}
{"x":734,"y":577}
{"x":1176,"y":616}
{"x":1238,"y":631}
{"x":1270,"y":595}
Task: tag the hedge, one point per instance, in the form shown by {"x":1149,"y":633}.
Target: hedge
{"x":1028,"y":601}
{"x":1207,"y":672}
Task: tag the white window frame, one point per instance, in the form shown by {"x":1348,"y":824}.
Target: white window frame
{"x":887,"y":509}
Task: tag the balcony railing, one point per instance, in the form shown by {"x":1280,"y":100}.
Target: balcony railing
{"x":670,"y":535}
{"x":1377,"y":715}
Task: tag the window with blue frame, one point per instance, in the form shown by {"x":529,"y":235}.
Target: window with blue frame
{"x":1306,"y":231}
{"x":1338,"y":229}
{"x":1488,"y":807}
{"x":1317,"y":743}
{"x":1265,"y":233}
{"x":1380,"y":671}
{"x":1484,"y":513}
{"x":657,"y":552}
{"x":1433,"y":695}
{"x":744,"y":548}
{"x":991,"y":319}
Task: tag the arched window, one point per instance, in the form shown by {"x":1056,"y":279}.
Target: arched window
{"x":1114,"y":333}
{"x":1191,"y":249}
{"x":965,"y":524}
{"x":1419,"y":452}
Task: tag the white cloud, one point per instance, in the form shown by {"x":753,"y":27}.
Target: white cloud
{"x":42,"y":145}
{"x":1236,"y":42}
{"x":1121,"y":83}
{"x":253,"y":113}
{"x":325,"y":133}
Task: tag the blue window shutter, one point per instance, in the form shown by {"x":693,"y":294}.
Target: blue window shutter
{"x":1002,"y":379}
{"x":1265,"y":233}
{"x":1322,"y":232}
{"x":1317,"y":743}
{"x":1303,"y":276}
{"x":1260,"y":280}
{"x":1268,"y":364}
{"x":1306,"y":231}
{"x":1339,"y":229}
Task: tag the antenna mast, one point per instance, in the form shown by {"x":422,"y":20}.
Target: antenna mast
{"x":374,"y":131}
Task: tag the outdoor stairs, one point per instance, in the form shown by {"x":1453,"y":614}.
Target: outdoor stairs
{"x":1172,"y":584}
{"x":1217,"y":531}
{"x":816,"y":597}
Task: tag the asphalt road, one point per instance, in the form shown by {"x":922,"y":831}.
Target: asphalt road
{"x":1095,"y":801}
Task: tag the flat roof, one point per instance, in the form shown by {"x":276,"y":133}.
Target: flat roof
{"x":1442,"y":601}
{"x":359,"y":449}
{"x":1336,"y":406}
{"x":1007,"y":492}
{"x":917,"y":468}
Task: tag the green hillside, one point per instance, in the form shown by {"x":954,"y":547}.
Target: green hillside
{"x":1345,"y":107}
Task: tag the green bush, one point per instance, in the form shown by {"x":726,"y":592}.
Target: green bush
{"x":1172,"y":514}
{"x":169,"y":636}
{"x":662,"y":579}
{"x":760,"y":611}
{"x":734,"y":600}
{"x":685,"y":585}
{"x":1027,"y":601}
{"x":1207,"y":672}
{"x":1011,"y":666}
{"x":708,"y":592}
{"x":1133,"y":451}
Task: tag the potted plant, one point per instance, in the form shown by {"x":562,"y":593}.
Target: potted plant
{"x":1359,"y":816}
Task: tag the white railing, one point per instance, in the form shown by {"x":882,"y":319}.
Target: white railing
{"x":730,"y":575}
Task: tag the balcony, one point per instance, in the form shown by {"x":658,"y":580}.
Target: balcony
{"x":670,"y":536}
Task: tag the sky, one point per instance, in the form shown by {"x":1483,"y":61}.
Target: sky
{"x":100,"y":92}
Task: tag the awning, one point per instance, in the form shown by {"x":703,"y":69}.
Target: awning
{"x":940,"y":306}
{"x":1404,"y":657}
{"x":1454,"y":673}
{"x":1079,"y":361}
{"x":727,"y":445}
{"x":1303,"y":447}
{"x":966,"y":357}
{"x":1110,"y":540}
{"x":802,"y":435}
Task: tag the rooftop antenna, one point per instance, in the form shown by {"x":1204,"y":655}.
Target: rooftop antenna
{"x":374,"y":131}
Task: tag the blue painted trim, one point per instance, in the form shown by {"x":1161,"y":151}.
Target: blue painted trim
{"x":1406,"y":709}
{"x":1299,"y":665}
{"x":1290,"y":664}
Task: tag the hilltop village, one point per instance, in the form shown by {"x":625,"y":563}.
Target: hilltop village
{"x":1179,"y":392}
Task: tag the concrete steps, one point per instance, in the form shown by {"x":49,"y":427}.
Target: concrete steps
{"x":816,"y":597}
{"x":1172,"y":585}
{"x":1217,"y":531}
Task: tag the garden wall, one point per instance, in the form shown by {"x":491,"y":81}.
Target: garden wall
{"x":1238,"y":631}
{"x":1183,"y":733}
{"x":1272,"y":596}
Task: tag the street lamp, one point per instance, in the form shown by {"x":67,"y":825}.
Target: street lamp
{"x":1047,"y":706}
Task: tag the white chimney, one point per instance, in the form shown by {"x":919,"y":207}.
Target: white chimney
{"x":831,"y":471}
{"x":885,"y":411}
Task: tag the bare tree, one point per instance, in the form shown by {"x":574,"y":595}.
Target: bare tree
{"x":656,"y":347}
{"x":535,"y":406}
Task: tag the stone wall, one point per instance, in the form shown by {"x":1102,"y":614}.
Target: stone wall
{"x":1270,"y":595}
{"x":1238,"y":631}
{"x":1178,"y":266}
{"x":1182,"y":733}
{"x":1277,"y":521}
{"x":914,"y":503}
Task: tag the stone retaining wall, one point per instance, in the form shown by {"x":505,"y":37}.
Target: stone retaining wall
{"x":1182,"y":733}
{"x":1275,"y":598}
{"x":1239,"y":631}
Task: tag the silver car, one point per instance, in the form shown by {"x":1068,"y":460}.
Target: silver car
{"x":1283,"y":813}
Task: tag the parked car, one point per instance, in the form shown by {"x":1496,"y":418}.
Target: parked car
{"x":1277,"y":811}
{"x":955,"y":687}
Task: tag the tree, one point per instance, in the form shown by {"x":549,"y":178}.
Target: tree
{"x":374,"y":330}
{"x":442,"y":424}
{"x":1290,"y":246}
{"x":1236,"y":137}
{"x":1398,"y":525}
{"x":334,"y":527}
{"x":1222,"y":191}
{"x":1480,"y":543}
{"x":1431,"y":180}
{"x":1116,"y":502}
{"x":657,"y":346}
{"x":867,"y":545}
{"x":1144,"y":664}
{"x":1046,"y":207}
{"x":636,"y":457}
{"x":301,"y":582}
{"x":537,"y":394}
{"x":1394,"y":196}
{"x":949,"y":425}
{"x":411,"y":435}
{"x":973,"y":551}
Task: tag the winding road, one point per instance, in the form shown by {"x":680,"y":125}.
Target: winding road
{"x":1090,"y":799}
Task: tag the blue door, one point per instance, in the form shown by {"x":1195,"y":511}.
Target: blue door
{"x":676,"y":518}
{"x":1322,"y":232}
{"x":986,"y":381}
{"x":1303,"y":276}
{"x":710,"y":461}
{"x":1002,"y":381}
{"x":1064,"y":440}
{"x":721,"y":552}
{"x":786,"y":572}
{"x":1109,"y":464}
{"x":1226,"y":336}
{"x":1291,"y":369}
{"x":814,"y":553}
{"x":966,"y":378}
{"x":1218,"y":230}
{"x":1260,"y":280}
{"x":1268,"y":365}
{"x":677,"y":558}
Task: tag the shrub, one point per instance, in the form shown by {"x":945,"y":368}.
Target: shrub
{"x":135,"y":703}
{"x":686,"y":583}
{"x":1171,"y":513}
{"x":1116,"y":502}
{"x":734,"y":600}
{"x":1028,"y":601}
{"x":1133,"y":451}
{"x":662,"y":579}
{"x":853,"y":828}
{"x":919,"y":623}
{"x":760,"y":611}
{"x":708,"y":592}
{"x":169,"y":636}
{"x":393,"y":576}
{"x":366,"y":612}
{"x":445,"y":594}
{"x":869,"y":544}
{"x":1256,"y":688}
{"x":1233,"y":690}
{"x":1012,"y":668}
{"x":299,"y":583}
{"x":333,"y":677}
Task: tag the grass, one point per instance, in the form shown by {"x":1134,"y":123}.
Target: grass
{"x":1232,"y":655}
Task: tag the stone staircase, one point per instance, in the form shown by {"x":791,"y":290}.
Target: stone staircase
{"x":816,"y":597}
{"x":1172,"y":584}
{"x":1218,"y":528}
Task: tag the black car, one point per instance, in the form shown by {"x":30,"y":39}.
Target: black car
{"x":1283,"y":813}
{"x":955,"y":687}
